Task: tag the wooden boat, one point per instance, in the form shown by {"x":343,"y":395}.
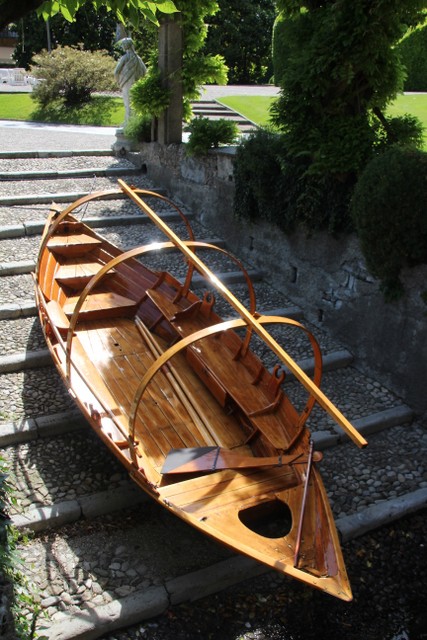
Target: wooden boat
{"x":181,"y":399}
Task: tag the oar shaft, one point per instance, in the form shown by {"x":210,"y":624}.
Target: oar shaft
{"x":313,"y":389}
{"x":304,"y":502}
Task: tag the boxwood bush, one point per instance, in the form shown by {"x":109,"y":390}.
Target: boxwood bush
{"x":389,"y":209}
{"x":208,"y":134}
{"x":275,"y":186}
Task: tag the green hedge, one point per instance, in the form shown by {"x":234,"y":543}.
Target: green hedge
{"x":389,"y":209}
{"x":272,"y":185}
{"x":413,"y":54}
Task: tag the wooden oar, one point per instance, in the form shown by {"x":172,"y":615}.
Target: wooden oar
{"x":250,"y":319}
{"x":197,"y":459}
{"x":304,"y":502}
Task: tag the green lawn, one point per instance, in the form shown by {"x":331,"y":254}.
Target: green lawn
{"x":106,"y":111}
{"x":103,"y":111}
{"x":256,"y":108}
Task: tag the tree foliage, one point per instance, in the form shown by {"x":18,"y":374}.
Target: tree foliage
{"x":125,"y":10}
{"x":198,"y":68}
{"x":342,"y":70}
{"x":242,"y":32}
{"x":413,"y":53}
{"x":338,"y":68}
{"x":94,"y":30}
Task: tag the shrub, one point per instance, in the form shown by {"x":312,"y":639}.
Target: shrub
{"x":138,"y":128}
{"x":148,"y":96}
{"x":274,"y":186}
{"x":390,"y":215}
{"x":259,"y":181}
{"x":413,"y":53}
{"x":18,"y":607}
{"x":71,"y":75}
{"x":206,"y":134}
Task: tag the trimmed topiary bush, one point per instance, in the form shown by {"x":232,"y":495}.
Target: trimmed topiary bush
{"x":390,"y":214}
{"x":208,"y":134}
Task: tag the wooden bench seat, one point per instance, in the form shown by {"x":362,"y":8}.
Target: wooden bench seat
{"x":77,"y":274}
{"x":226,"y":376}
{"x":72,"y":245}
{"x":102,"y":304}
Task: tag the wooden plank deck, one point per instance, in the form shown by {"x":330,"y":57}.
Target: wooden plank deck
{"x":121,"y":357}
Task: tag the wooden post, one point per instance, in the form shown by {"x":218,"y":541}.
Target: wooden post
{"x":169,"y":125}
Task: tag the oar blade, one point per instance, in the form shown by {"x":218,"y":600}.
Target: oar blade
{"x":203,"y":459}
{"x":188,"y":460}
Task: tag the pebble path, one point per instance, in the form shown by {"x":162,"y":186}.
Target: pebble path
{"x":92,"y":562}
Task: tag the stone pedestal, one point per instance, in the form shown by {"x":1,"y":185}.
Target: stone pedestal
{"x":123,"y":145}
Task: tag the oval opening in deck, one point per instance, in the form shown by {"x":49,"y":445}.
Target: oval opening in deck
{"x":270,"y":519}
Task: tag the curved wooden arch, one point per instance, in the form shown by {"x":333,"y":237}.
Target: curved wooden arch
{"x":132,"y":253}
{"x":218,"y":328}
{"x":252,"y":321}
{"x":96,"y":195}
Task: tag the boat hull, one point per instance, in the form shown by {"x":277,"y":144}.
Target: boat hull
{"x":156,"y":371}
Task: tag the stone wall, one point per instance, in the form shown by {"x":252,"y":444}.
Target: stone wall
{"x":326,"y":276}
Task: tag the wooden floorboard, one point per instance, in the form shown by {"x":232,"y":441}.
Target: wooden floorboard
{"x":122,"y":358}
{"x":227,"y":487}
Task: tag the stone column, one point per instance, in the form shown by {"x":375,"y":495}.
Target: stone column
{"x":169,"y":125}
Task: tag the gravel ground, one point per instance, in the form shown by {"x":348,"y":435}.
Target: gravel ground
{"x":387,"y":569}
{"x":51,"y":186}
{"x":68,"y":163}
{"x":388,"y":572}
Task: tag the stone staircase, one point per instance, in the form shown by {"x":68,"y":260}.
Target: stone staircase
{"x":103,"y":555}
{"x":215,"y":110}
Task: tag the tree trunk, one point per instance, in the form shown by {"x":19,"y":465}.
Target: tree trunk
{"x":169,"y":125}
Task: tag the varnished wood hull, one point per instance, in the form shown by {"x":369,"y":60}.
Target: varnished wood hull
{"x":154,"y":369}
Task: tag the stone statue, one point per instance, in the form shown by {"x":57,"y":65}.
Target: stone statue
{"x":128,"y":70}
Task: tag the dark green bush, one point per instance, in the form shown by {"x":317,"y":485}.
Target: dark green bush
{"x":207,"y":134}
{"x":413,"y":54}
{"x":258,"y":177}
{"x":390,"y":214}
{"x":70,"y":76}
{"x":138,"y":128}
{"x":274,"y":186}
{"x":405,"y":130}
{"x":148,"y":96}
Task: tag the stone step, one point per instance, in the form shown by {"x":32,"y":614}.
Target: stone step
{"x":23,"y":286}
{"x":367,"y":488}
{"x":55,"y":196}
{"x":214,"y":111}
{"x":35,"y":227}
{"x":45,"y":394}
{"x":65,"y":153}
{"x":126,"y":607}
{"x":123,"y":493}
{"x":70,"y":173}
{"x":66,"y":189}
{"x":34,"y":451}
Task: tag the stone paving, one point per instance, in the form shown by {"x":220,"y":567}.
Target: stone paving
{"x":93,"y":562}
